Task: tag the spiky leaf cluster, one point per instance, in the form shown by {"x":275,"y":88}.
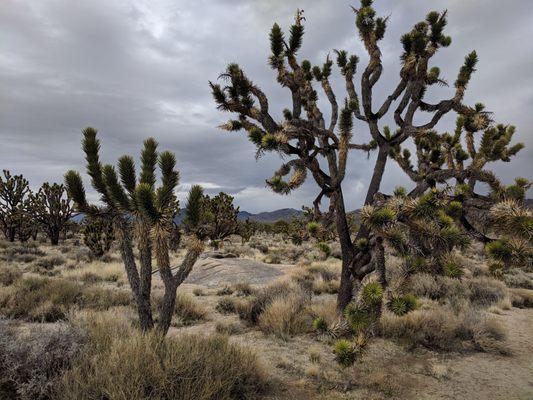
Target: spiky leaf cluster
{"x":418,"y":228}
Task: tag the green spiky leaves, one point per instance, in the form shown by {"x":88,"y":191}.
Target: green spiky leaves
{"x":401,"y":305}
{"x":75,"y":189}
{"x":466,"y":71}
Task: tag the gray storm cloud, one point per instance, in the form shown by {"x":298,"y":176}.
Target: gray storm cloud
{"x":136,"y":68}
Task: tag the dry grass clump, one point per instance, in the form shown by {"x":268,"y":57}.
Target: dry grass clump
{"x":226,"y":305}
{"x":243,"y":289}
{"x":97,"y":271}
{"x":442,"y":329}
{"x":251,"y":309}
{"x":9,"y":274}
{"x":24,"y":252}
{"x":517,"y":278}
{"x":50,"y":262}
{"x":124,"y":364}
{"x":32,"y":360}
{"x":318,"y":278}
{"x":187,"y":310}
{"x":486,"y":291}
{"x":43,"y":299}
{"x":522,"y":298}
{"x":323,"y":310}
{"x":228,"y":328}
{"x":480,"y":291}
{"x":285,"y":316}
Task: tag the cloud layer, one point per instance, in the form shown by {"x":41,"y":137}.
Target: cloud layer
{"x":138,"y":68}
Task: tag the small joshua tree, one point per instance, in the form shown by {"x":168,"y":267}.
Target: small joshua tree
{"x":307,"y":138}
{"x":14,"y":191}
{"x":139,"y":209}
{"x":213,"y":218}
{"x":98,"y":234}
{"x":246,"y":229}
{"x":51,"y":208}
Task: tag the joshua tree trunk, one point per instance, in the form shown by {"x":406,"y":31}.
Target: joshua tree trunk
{"x":347,"y":250}
{"x":167,"y":308}
{"x":54,"y":236}
{"x":144,"y":308}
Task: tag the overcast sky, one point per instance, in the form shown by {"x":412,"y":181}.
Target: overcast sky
{"x":139,"y":68}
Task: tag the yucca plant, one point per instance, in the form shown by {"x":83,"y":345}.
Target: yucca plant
{"x":140,"y":210}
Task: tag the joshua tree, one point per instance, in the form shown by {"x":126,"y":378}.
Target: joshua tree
{"x":14,"y":190}
{"x":246,"y":229}
{"x":306,"y":136}
{"x":213,"y":218}
{"x":98,"y":234}
{"x":138,"y":208}
{"x":51,"y":209}
{"x":443,"y":158}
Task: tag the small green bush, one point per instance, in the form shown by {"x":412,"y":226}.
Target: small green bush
{"x":345,"y":352}
{"x":320,"y":324}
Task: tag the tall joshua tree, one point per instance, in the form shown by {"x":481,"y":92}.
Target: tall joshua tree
{"x":14,"y":191}
{"x":51,"y":208}
{"x":306,"y":136}
{"x":141,"y":210}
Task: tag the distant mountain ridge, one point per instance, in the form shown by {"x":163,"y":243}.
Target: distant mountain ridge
{"x":283,"y":214}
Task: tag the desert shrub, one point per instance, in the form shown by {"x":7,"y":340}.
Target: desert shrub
{"x":50,"y":262}
{"x":253,"y":307}
{"x":325,"y":309}
{"x":225,"y":291}
{"x":285,"y":316}
{"x":522,"y":298}
{"x":9,"y":274}
{"x":12,"y":251}
{"x":273,"y":258}
{"x":243,"y":289}
{"x":198,"y":292}
{"x":226,"y":305}
{"x":486,"y":291}
{"x":48,"y":300}
{"x":517,"y":278}
{"x":322,"y":286}
{"x":317,"y":278}
{"x":39,"y":299}
{"x":131,"y":365}
{"x":98,"y":298}
{"x":228,"y":328}
{"x":96,"y":272}
{"x":324,"y":248}
{"x":442,"y":329}
{"x":32,"y":362}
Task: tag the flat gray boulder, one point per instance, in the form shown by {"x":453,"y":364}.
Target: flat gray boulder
{"x":212,"y":273}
